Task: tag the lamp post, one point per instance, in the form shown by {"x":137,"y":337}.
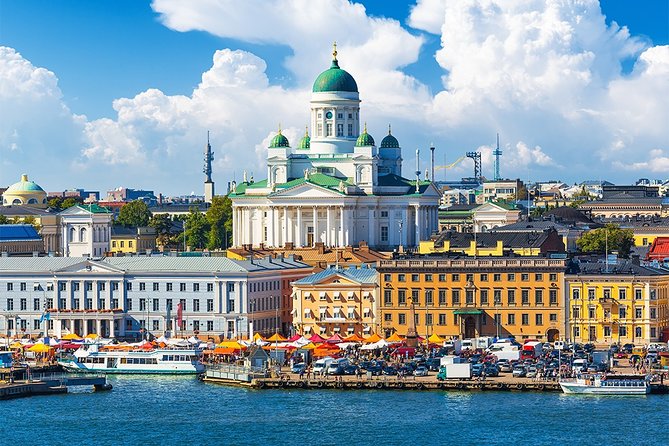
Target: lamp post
{"x":184,"y":235}
{"x":400,"y":223}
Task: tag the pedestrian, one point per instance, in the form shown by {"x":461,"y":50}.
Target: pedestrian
{"x":308,"y":373}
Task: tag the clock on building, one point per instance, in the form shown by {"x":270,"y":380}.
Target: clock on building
{"x":328,"y":115}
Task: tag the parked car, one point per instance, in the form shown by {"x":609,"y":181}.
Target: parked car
{"x":627,"y":348}
{"x":519,"y":371}
{"x":477,"y":369}
{"x":491,"y":370}
{"x":505,"y":367}
{"x":531,"y":372}
{"x":298,"y":368}
{"x":390,"y":371}
{"x":351,"y":370}
{"x":421,"y":370}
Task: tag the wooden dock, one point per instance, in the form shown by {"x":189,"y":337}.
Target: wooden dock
{"x":50,"y":384}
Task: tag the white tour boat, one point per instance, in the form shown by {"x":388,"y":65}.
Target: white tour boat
{"x":90,"y":359}
{"x":607,"y":385}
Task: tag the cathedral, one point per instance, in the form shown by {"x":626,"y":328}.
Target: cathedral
{"x":336,"y":186}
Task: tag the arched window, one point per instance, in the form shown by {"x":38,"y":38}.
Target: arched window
{"x":82,"y":235}
{"x":32,"y":201}
{"x":73,"y":235}
{"x":637,"y":332}
{"x":17,"y":202}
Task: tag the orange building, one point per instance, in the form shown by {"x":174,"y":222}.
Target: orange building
{"x":469,"y":297}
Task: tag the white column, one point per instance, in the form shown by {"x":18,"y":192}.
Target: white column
{"x":269,"y":224}
{"x":347,"y":222}
{"x":298,"y":229}
{"x":276,"y":227}
{"x":371,"y":223}
{"x":340,"y":235}
{"x":235,"y":227}
{"x":328,"y":230}
{"x":285,"y":226}
{"x":315,"y":223}
{"x":392,"y":228}
{"x":417,"y":223}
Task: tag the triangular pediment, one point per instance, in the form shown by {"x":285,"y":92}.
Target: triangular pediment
{"x":91,"y":266}
{"x":75,"y":210}
{"x":336,"y":279}
{"x":306,"y":190}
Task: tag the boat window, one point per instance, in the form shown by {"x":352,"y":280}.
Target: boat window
{"x":124,"y":361}
{"x":164,"y":357}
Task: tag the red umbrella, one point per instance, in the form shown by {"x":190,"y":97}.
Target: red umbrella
{"x":334,"y":339}
{"x":316,"y":338}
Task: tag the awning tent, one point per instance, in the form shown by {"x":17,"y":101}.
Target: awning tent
{"x":353,"y":338}
{"x":334,"y":339}
{"x":40,"y":348}
{"x":373,"y":338}
{"x":258,"y":337}
{"x":435,"y":338}
{"x":276,"y":337}
{"x":72,"y":337}
{"x":316,"y":338}
{"x":395,"y":338}
{"x":230,"y":345}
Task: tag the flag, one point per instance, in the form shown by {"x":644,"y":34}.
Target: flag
{"x":179,"y":314}
{"x":46,"y":316}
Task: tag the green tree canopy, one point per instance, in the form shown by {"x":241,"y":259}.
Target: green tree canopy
{"x":196,"y":229}
{"x":219,"y":217}
{"x":611,"y":236}
{"x":136,"y":213}
{"x":69,"y":202}
{"x":163,"y":226}
{"x":3,"y":220}
{"x":55,"y":203}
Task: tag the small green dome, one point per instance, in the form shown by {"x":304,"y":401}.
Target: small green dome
{"x":24,"y":186}
{"x":279,"y":141}
{"x":390,"y":142}
{"x":365,"y":139}
{"x":305,"y":142}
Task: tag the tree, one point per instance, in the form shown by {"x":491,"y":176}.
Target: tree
{"x":55,"y":203}
{"x":136,"y":214}
{"x":196,"y":229}
{"x":30,"y":220}
{"x":163,"y":226}
{"x":69,"y":202}
{"x":611,"y":236}
{"x":219,"y":217}
{"x":3,"y":220}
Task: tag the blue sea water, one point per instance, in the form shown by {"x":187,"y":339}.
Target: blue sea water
{"x":182,"y":411}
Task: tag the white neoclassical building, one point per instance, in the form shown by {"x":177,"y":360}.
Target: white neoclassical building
{"x":336,"y":187}
{"x":85,"y":231}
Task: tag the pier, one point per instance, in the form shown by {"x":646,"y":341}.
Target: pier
{"x":50,"y":384}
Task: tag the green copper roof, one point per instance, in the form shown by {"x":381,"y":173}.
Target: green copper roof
{"x":365,"y":139}
{"x":94,"y":208}
{"x":305,"y":142}
{"x":334,"y":79}
{"x":390,"y":142}
{"x":279,"y":141}
{"x":24,"y":185}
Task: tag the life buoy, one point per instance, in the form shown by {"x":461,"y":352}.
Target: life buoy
{"x":500,"y":385}
{"x":440,"y":385}
{"x":478,"y":385}
{"x":541,"y":387}
{"x":400,"y":385}
{"x":301,"y":384}
{"x":420,"y":386}
{"x":291,"y":383}
{"x":358,"y":385}
{"x":379,"y":385}
{"x":459,"y":386}
{"x":320,"y":384}
{"x":284,"y":384}
{"x":520,"y":386}
{"x":261,"y":384}
{"x":340,"y":385}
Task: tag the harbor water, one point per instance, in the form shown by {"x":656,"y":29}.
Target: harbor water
{"x":154,"y":410}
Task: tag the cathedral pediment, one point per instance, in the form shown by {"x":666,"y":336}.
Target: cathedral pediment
{"x":306,"y":190}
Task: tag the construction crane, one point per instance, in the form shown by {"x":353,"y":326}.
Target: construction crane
{"x":450,"y":166}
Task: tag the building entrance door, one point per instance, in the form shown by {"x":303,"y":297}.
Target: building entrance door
{"x":470,"y":328}
{"x":553,"y":335}
{"x":310,"y":236}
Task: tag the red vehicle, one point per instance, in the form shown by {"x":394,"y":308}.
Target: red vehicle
{"x":531,"y":350}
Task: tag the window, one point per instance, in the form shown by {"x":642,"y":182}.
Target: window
{"x":511,"y":319}
{"x":622,"y":331}
{"x":340,"y":129}
{"x":498,"y":319}
{"x":350,"y":130}
{"x":577,"y":332}
{"x":10,"y":287}
{"x":384,"y":214}
{"x":591,"y":312}
{"x":415,"y":297}
{"x":511,"y":297}
{"x":415,"y":277}
{"x":442,"y":318}
{"x":231,"y":305}
{"x":210,"y":325}
{"x":497,"y":277}
{"x":142,"y":304}
{"x":469,"y":278}
{"x":552,"y":277}
{"x":442,"y":297}
{"x":638,"y":294}
{"x":653,"y":332}
{"x":538,"y":277}
{"x":36,"y":304}
{"x":607,"y":331}
{"x":168,"y":286}
{"x":576,"y":312}
{"x":210,"y":305}
{"x":402,"y":297}
{"x":552,"y":317}
{"x":24,"y":304}
{"x":89,"y":286}
{"x":231,"y":287}
{"x":428,"y":319}
{"x":49,"y":302}
{"x":591,"y":294}
{"x":388,"y":317}
{"x":387,"y":297}
{"x":484,"y":297}
{"x":653,"y":313}
{"x":156,"y":286}
{"x":384,"y":233}
{"x":552,"y":297}
{"x":416,"y":319}
{"x":539,"y":319}
{"x":23,"y":286}
{"x":497,"y":297}
{"x":210,"y":287}
{"x":402,"y":318}
{"x":538,"y":297}
{"x":10,"y":305}
{"x":114,"y":303}
{"x":638,"y":312}
{"x":182,"y":287}
{"x":196,"y":287}
{"x":607,"y":293}
{"x":622,"y":312}
{"x":456,"y":297}
{"x":484,"y":277}
{"x":428,"y":297}
{"x":469,"y":297}
{"x":525,"y":297}
{"x":638,"y":332}
{"x":575,"y":293}
{"x":61,"y":286}
{"x":428,"y":277}
{"x":328,"y":130}
{"x":622,"y":293}
{"x":511,"y":277}
{"x":387,"y":277}
{"x":102,"y":286}
{"x":525,"y":319}
{"x":401,"y":278}
{"x":128,"y":286}
{"x":196,"y":305}
{"x":442,"y":277}
{"x":525,"y":277}
{"x":156,"y":305}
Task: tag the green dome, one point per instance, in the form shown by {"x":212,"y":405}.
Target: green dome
{"x":365,"y":139}
{"x":24,"y":186}
{"x":305,"y":142}
{"x":390,"y":142}
{"x":279,"y":141}
{"x":334,"y":79}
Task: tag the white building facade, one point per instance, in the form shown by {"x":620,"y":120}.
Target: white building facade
{"x":85,"y":231}
{"x":135,"y":297}
{"x":337,"y":187}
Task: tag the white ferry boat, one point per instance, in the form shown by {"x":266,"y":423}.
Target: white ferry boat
{"x":89,"y":359}
{"x":611,"y":385}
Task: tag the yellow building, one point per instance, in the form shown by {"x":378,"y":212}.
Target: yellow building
{"x":25,"y":192}
{"x":469,"y":297}
{"x":132,"y":240}
{"x":336,"y":300}
{"x":624,"y":303}
{"x":494,"y":243}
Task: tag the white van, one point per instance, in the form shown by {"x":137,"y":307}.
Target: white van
{"x":580,"y":364}
{"x":467,"y":344}
{"x":335,"y":365}
{"x":322,"y":364}
{"x":559,"y":345}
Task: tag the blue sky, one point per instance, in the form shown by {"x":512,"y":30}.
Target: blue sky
{"x":101,"y":51}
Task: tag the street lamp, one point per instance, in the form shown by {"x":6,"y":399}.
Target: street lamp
{"x":400,"y":224}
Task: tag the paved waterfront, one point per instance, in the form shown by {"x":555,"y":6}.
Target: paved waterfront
{"x":182,"y":411}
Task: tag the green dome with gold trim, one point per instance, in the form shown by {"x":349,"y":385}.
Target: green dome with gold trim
{"x":390,"y":142}
{"x":305,"y":142}
{"x":279,"y":141}
{"x":365,"y":139}
{"x":334,"y":78}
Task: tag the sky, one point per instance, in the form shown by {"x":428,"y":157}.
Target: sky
{"x":97,"y":95}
